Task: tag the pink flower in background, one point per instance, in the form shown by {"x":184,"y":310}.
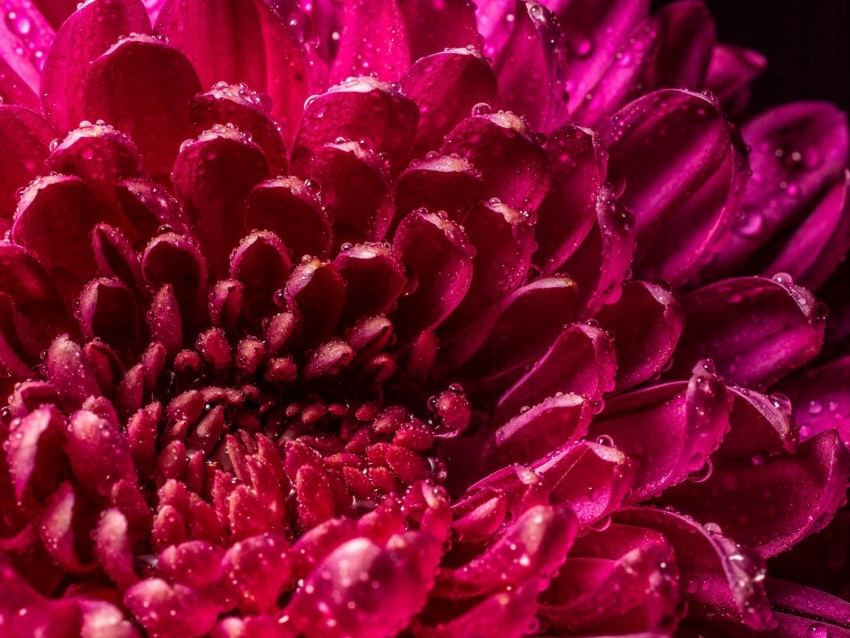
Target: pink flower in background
{"x":401,"y":318}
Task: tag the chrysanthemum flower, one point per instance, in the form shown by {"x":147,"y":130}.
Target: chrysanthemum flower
{"x":398,"y":318}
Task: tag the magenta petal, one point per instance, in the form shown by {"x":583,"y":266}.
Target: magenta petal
{"x":442,"y":183}
{"x":554,"y":423}
{"x":115,"y":257}
{"x":98,"y":453}
{"x":108,"y":311}
{"x":799,"y":150}
{"x":33,"y":452}
{"x":620,"y":580}
{"x":568,"y":212}
{"x":446,"y":86}
{"x":721,"y":579}
{"x":112,"y":547}
{"x":223,"y":40}
{"x":646,"y":321}
{"x":359,"y":109}
{"x":164,"y":320}
{"x":317,"y":292}
{"x":58,"y":528}
{"x":437,"y":26}
{"x":515,"y":333}
{"x":439,"y":258}
{"x":691,"y":418}
{"x":730,"y":71}
{"x":170,"y":610}
{"x":26,"y":137}
{"x":503,"y":239}
{"x":756,"y":330}
{"x":802,"y":610}
{"x":760,"y":427}
{"x":772,"y":504}
{"x":150,"y":208}
{"x":821,"y":399}
{"x":686,"y":200}
{"x":212,"y":176}
{"x":101,"y":619}
{"x":601,"y":262}
{"x":820,"y":243}
{"x":359,"y":54}
{"x":14,"y":89}
{"x":143,"y":87}
{"x":536,"y":543}
{"x":374,"y":279}
{"x":581,"y":361}
{"x":363,"y":590}
{"x":261,"y":264}
{"x":70,"y":373}
{"x":256,"y":570}
{"x":86,"y":35}
{"x":537,"y":43}
{"x":514,"y":167}
{"x":17,"y":345}
{"x":589,"y":478}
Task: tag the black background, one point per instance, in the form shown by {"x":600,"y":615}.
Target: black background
{"x":806,"y":42}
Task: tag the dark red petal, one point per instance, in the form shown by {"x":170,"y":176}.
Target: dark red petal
{"x":772,"y":504}
{"x":515,"y":333}
{"x":581,"y":361}
{"x":17,"y":343}
{"x":150,"y":208}
{"x":115,"y":257}
{"x":503,"y":239}
{"x":821,"y":399}
{"x":721,"y":579}
{"x":441,"y":183}
{"x":589,"y":478}
{"x":58,"y":529}
{"x":532,"y":67}
{"x":143,"y":87}
{"x":223,"y":40}
{"x":601,"y":262}
{"x":164,"y":319}
{"x":362,"y":108}
{"x":646,"y":321}
{"x":760,"y":427}
{"x":34,"y":452}
{"x":81,"y":39}
{"x":374,"y":279}
{"x":554,"y":423}
{"x":261,"y":264}
{"x":536,"y":543}
{"x":291,"y":210}
{"x":799,"y":150}
{"x":26,"y":137}
{"x":757,"y":330}
{"x":691,"y":418}
{"x":235,"y":104}
{"x":69,"y":372}
{"x":212,"y":176}
{"x":515,"y":169}
{"x":437,"y":26}
{"x":623,"y":579}
{"x":98,"y":453}
{"x":439,"y":260}
{"x":355,"y":189}
{"x":568,"y":212}
{"x":687,"y":200}
{"x":362,"y":590}
{"x":54,"y":219}
{"x":107,"y":311}
{"x":359,"y":53}
{"x":317,"y":292}
{"x":820,"y":243}
{"x":805,"y":611}
{"x":172,"y":259}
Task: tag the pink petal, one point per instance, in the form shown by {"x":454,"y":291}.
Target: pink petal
{"x":730,"y":71}
{"x":581,"y":360}
{"x":515,"y":333}
{"x":756,"y":330}
{"x":361,"y":108}
{"x":820,"y":243}
{"x":691,"y":418}
{"x":721,"y":579}
{"x":85,"y":36}
{"x":237,"y":105}
{"x":143,"y":87}
{"x":98,"y":453}
{"x":591,"y":479}
{"x":536,"y":44}
{"x":26,"y":137}
{"x":601,"y":263}
{"x":255,"y":571}
{"x":554,"y":423}
{"x":359,"y":53}
{"x":70,"y":373}
{"x":113,"y":549}
{"x":363,"y":590}
{"x":687,"y":200}
{"x":439,"y":258}
{"x":646,"y":321}
{"x":435,"y":82}
{"x":442,"y":183}
{"x":799,"y":150}
{"x":14,"y":89}
{"x":514,"y":167}
{"x":503,"y":239}
{"x":102,"y":619}
{"x":802,"y":610}
{"x":170,"y":610}
{"x":620,"y":580}
{"x":291,"y":210}
{"x":568,"y":212}
{"x":59,"y":528}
